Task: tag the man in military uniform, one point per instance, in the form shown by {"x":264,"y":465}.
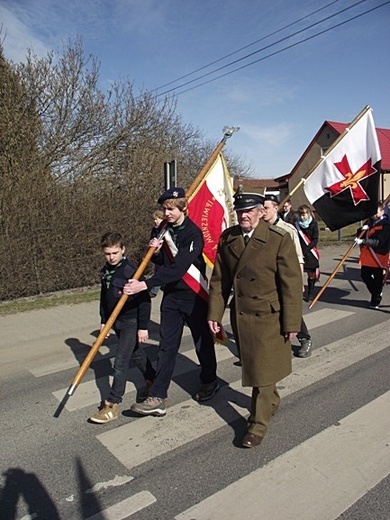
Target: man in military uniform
{"x":261,"y":264}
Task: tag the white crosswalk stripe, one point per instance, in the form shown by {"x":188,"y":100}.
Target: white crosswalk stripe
{"x":342,"y":450}
{"x":138,"y":441}
{"x":126,"y":508}
{"x":87,"y":392}
{"x":342,"y":462}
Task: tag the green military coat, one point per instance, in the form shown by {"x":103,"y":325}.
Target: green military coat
{"x":267,"y":282}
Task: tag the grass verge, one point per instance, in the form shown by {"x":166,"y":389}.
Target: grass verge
{"x":32,"y":303}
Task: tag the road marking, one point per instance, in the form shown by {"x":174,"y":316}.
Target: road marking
{"x":117,"y":481}
{"x":145,"y":438}
{"x":324,"y":317}
{"x":68,"y":361}
{"x":126,"y":508}
{"x":336,"y":467}
{"x":46,"y":369}
{"x":313,"y":320}
{"x":87,"y":393}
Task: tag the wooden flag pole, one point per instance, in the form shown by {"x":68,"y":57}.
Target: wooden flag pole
{"x":341,"y":263}
{"x":228,"y":132}
{"x":323,"y":157}
{"x":336,"y":269}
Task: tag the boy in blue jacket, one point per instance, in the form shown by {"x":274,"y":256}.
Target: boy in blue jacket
{"x":131,"y":325}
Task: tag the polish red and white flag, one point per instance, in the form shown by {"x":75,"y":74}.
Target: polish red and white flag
{"x":211,"y":207}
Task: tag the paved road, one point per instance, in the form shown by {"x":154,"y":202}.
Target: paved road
{"x":326,"y":455}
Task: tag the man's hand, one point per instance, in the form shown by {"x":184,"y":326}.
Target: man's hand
{"x":289,"y":336}
{"x":134,"y":287}
{"x":358,"y":241}
{"x":143,"y":335}
{"x":214,"y":326}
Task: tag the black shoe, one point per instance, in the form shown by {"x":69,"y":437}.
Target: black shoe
{"x":207,"y":391}
{"x":305,"y":348}
{"x":375,"y":301}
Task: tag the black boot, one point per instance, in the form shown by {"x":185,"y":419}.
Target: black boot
{"x":310,"y":289}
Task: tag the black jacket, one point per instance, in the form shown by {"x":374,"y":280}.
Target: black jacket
{"x":189,"y":242}
{"x":112,"y":281}
{"x":312,"y":233}
{"x":378,"y":235}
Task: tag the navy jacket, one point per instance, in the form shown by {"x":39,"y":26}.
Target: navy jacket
{"x":189,"y":242}
{"x":137,"y":306}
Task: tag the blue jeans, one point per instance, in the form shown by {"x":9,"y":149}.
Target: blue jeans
{"x":128,"y":350}
{"x":175,"y":313}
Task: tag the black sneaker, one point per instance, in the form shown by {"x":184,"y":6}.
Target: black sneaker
{"x":207,"y":391}
{"x":375,"y":301}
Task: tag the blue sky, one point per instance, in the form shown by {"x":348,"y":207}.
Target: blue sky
{"x":279,"y":103}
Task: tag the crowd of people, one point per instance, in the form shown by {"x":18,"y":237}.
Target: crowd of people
{"x":258,"y":273}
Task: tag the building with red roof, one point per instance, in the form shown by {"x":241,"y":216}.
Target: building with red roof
{"x":324,"y":138}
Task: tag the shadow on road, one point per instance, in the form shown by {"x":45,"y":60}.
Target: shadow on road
{"x":89,"y":503}
{"x":26,"y":486}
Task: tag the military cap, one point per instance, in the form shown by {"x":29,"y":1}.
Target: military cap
{"x":272,"y":197}
{"x":243,"y":201}
{"x":172,"y":193}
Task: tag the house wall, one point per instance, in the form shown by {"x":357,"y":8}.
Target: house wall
{"x":385,"y":185}
{"x":323,"y":142}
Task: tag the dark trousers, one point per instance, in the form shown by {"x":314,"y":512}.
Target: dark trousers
{"x":128,"y":350}
{"x":304,"y":332}
{"x":175,"y":313}
{"x":373,"y":277}
{"x":264,"y":403}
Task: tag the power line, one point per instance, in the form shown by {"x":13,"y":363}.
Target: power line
{"x":245,"y":46}
{"x":273,"y":53}
{"x":260,"y":50}
{"x":284,"y":49}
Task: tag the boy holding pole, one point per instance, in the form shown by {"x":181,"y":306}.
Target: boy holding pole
{"x":131,"y":325}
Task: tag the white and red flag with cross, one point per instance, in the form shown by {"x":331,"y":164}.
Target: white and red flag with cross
{"x":344,"y":187}
{"x":211,"y":206}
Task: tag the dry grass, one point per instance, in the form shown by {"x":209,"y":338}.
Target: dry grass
{"x":49,"y":300}
{"x":328,"y":237}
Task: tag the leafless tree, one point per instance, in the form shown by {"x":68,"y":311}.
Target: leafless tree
{"x":75,"y":162}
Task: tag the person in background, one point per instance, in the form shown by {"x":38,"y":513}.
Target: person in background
{"x":182,"y":272}
{"x":374,"y":254}
{"x":260,"y":262}
{"x":270,"y":215}
{"x":288,"y":214}
{"x":131,"y":325}
{"x":158,"y":217}
{"x":308,"y":232}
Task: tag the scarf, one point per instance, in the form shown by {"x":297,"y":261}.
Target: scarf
{"x":108,"y":272}
{"x":305,"y":223}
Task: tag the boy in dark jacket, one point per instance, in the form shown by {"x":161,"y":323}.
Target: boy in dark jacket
{"x":182,"y":272}
{"x":131,"y":325}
